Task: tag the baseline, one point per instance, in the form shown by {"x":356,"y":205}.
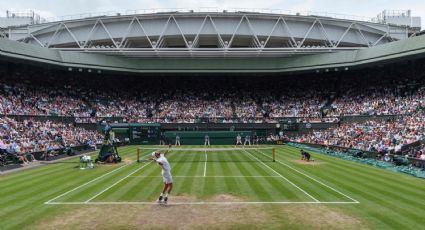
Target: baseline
{"x":200,"y":203}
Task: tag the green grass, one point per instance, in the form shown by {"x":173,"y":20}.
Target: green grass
{"x":266,"y":194}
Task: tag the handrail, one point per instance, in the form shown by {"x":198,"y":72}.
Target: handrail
{"x":211,"y":10}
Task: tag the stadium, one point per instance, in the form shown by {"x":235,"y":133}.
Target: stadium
{"x":212,"y":119}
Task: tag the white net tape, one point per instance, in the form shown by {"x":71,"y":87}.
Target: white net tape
{"x":161,"y":149}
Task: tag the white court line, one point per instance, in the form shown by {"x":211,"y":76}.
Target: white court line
{"x":204,"y":149}
{"x":205,"y":166}
{"x":296,"y":186}
{"x":50,"y":202}
{"x":211,"y":176}
{"x":95,"y":179}
{"x":333,"y":189}
{"x":106,"y":189}
{"x":200,"y":203}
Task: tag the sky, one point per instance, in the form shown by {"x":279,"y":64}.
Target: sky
{"x":364,"y":8}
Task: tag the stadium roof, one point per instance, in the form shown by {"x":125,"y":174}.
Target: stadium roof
{"x":76,"y":61}
{"x":208,"y":34}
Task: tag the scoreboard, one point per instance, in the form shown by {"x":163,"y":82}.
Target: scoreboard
{"x":135,"y":132}
{"x":288,"y":124}
{"x":144,"y":133}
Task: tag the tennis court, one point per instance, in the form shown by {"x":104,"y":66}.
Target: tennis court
{"x":218,"y":175}
{"x":243,"y":188}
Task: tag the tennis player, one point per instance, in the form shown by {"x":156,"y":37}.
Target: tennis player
{"x":207,"y":140}
{"x":177,"y":140}
{"x":238,"y":140}
{"x":159,"y":158}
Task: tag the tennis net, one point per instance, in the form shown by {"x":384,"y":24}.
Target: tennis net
{"x":249,"y":154}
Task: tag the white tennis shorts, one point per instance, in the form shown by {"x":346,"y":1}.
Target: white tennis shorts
{"x":168,"y":179}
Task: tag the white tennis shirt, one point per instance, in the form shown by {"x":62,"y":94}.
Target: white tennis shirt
{"x":165,"y":165}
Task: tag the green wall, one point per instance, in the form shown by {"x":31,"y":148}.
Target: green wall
{"x":198,"y":137}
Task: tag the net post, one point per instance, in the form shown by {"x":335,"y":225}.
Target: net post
{"x":138,"y":155}
{"x":273,"y":154}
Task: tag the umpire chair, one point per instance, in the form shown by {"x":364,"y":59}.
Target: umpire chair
{"x":108,"y":152}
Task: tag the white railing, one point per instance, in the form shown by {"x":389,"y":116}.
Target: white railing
{"x":82,"y":16}
{"x":209,"y":10}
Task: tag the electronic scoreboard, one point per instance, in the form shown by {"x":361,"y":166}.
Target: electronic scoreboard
{"x":144,"y":133}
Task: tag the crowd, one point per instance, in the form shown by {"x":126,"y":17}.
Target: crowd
{"x":22,"y":99}
{"x":89,"y":98}
{"x":187,"y":107}
{"x":419,"y":155}
{"x":20,"y":96}
{"x":403,"y":98}
{"x":382,"y":136}
{"x":181,"y":100}
{"x":28,"y":136}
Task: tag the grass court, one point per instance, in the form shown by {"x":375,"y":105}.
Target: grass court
{"x":222,"y":188}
